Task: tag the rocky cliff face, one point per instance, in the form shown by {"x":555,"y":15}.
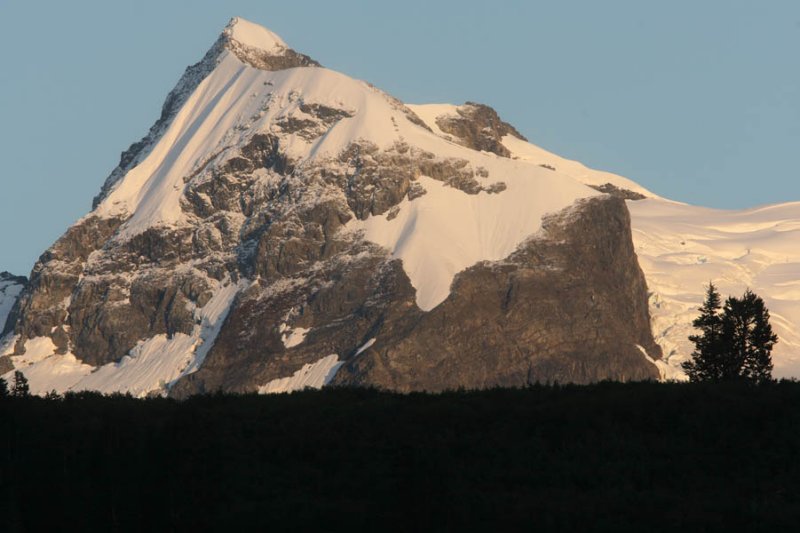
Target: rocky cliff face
{"x":570,"y":305}
{"x":281,"y":222}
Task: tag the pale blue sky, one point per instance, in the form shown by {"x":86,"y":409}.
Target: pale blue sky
{"x":697,"y":100}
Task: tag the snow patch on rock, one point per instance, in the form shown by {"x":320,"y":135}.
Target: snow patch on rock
{"x":149,"y":367}
{"x":365,"y":346}
{"x":292,"y":337}
{"x":313,"y":375}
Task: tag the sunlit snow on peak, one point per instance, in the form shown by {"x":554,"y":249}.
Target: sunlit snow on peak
{"x":253,"y":35}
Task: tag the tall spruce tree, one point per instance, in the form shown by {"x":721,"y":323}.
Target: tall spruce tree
{"x":706,"y":363}
{"x":3,"y":388}
{"x":748,"y":338}
{"x":734,"y":344}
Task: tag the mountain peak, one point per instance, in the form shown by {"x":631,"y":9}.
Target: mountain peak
{"x":253,"y":35}
{"x":260,"y":48}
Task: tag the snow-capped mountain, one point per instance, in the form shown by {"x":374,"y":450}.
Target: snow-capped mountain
{"x":283,"y":225}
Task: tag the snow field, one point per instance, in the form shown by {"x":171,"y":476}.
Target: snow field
{"x":681,"y":248}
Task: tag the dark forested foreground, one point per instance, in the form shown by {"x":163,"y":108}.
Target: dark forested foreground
{"x":605,"y":457}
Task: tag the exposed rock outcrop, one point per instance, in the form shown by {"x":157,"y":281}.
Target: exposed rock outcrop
{"x":479,"y":127}
{"x":613,"y":190}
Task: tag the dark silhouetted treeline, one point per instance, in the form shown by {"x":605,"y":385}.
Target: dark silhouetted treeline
{"x":611,"y":457}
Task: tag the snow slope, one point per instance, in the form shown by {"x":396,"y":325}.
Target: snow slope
{"x":681,"y":248}
{"x":237,"y":101}
{"x":446,"y":231}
